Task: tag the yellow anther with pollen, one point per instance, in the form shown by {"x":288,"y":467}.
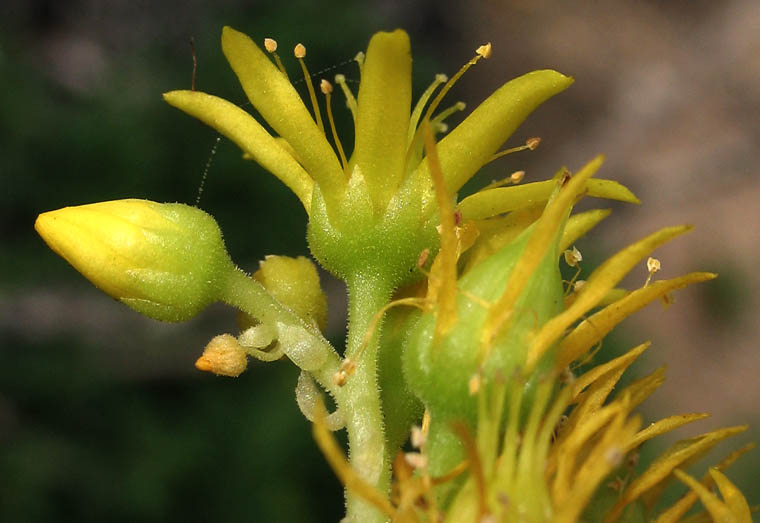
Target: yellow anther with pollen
{"x":484,"y":50}
{"x":270,"y":44}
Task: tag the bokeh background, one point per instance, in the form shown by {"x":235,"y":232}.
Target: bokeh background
{"x":102,"y":415}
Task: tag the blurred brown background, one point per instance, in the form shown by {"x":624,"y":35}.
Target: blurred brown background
{"x":102,"y":416}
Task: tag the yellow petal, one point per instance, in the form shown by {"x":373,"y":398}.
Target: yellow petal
{"x":490,"y":202}
{"x":277,"y":101}
{"x":732,"y":497}
{"x":382,"y":118}
{"x":661,"y":427}
{"x":472,"y":143}
{"x":717,"y":509}
{"x":682,"y":506}
{"x":240,"y":127}
{"x":601,"y":281}
{"x":596,"y":327}
{"x":678,"y":455}
{"x":579,"y":224}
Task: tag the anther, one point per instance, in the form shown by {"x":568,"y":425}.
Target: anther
{"x":516,"y":177}
{"x":325,"y":86}
{"x":300,"y":52}
{"x":359,"y":59}
{"x":533,"y":142}
{"x":572,"y":257}
{"x":416,"y":460}
{"x":417,"y":437}
{"x":653,"y":266}
{"x":270,"y":44}
{"x":484,"y":51}
{"x":350,"y":99}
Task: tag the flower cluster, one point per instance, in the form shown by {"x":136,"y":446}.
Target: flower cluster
{"x":460,"y":324}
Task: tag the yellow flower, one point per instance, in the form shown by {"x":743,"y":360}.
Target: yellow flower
{"x":163,"y":260}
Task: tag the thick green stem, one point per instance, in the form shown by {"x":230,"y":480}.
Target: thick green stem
{"x":359,"y":399}
{"x":302,"y":343}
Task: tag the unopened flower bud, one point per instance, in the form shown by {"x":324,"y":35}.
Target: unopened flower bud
{"x":162,"y":260}
{"x":295,"y":283}
{"x":223,"y":356}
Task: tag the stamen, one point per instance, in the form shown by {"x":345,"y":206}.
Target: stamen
{"x":415,"y":118}
{"x":350,"y":99}
{"x":530,"y":144}
{"x":653,"y":265}
{"x":514,"y":178}
{"x":270,"y":44}
{"x":300,"y":53}
{"x":327,"y":88}
{"x":440,"y":117}
{"x":348,"y":365}
{"x":359,"y":58}
{"x":484,"y":51}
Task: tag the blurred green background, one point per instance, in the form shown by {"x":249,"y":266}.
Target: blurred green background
{"x":102,"y":415}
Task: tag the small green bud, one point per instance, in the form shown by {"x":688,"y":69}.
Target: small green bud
{"x":295,"y":283}
{"x":442,"y":372}
{"x":163,"y":260}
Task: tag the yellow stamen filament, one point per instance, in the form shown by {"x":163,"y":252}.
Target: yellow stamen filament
{"x":530,"y":144}
{"x":300,"y":53}
{"x":270,"y":44}
{"x":440,"y":117}
{"x":348,"y":367}
{"x":653,"y":265}
{"x":327,"y":88}
{"x":350,"y":98}
{"x":482,"y":52}
{"x":414,"y":120}
{"x":437,"y":100}
{"x":359,"y":59}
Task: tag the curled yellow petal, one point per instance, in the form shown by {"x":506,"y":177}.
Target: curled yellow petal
{"x":732,"y":497}
{"x":715,"y":507}
{"x":240,"y":127}
{"x":601,"y":281}
{"x":596,"y":327}
{"x":491,"y":202}
{"x":472,"y":143}
{"x":273,"y":96}
{"x":678,"y":455}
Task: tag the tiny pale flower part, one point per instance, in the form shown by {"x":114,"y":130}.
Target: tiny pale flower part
{"x":223,"y":356}
{"x":162,"y":260}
